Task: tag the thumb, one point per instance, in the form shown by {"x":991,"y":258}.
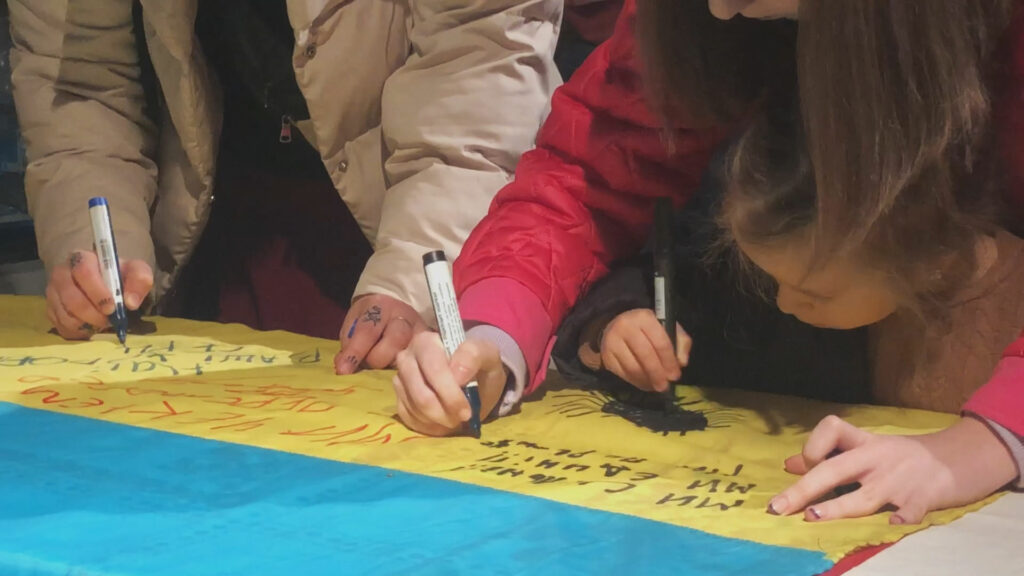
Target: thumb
{"x":683,"y":346}
{"x":466,"y":362}
{"x":138,"y":281}
{"x":476,"y":359}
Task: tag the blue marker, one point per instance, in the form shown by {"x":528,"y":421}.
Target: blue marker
{"x":106,"y":251}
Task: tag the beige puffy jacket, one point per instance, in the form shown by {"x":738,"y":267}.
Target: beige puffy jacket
{"x":419,"y":109}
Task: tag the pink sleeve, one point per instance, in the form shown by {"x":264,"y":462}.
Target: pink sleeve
{"x":1001,"y":400}
{"x":517,"y":311}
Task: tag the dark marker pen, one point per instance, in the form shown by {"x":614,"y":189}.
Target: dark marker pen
{"x":664,"y":277}
{"x":106,"y":252}
{"x":449,"y":322}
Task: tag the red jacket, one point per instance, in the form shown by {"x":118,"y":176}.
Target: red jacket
{"x":584,"y":197}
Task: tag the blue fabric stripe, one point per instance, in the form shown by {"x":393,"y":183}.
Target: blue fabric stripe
{"x":86,"y":497}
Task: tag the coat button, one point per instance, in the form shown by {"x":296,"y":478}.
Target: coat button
{"x":311,"y":51}
{"x":343,"y":166}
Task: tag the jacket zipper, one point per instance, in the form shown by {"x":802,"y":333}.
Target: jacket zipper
{"x":286,"y":129}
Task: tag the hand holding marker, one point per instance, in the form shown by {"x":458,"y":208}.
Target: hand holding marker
{"x":449,"y":322}
{"x":106,"y":251}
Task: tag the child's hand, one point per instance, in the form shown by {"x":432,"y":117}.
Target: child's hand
{"x":913,"y":474}
{"x":636,"y":348}
{"x":428,"y":387}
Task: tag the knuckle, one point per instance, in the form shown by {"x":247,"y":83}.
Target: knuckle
{"x":831,"y":422}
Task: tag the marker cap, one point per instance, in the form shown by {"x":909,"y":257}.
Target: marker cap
{"x":97,"y":201}
{"x":435,"y":256}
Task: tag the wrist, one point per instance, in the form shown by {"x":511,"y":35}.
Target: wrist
{"x":976,"y":454}
{"x":591,"y":341}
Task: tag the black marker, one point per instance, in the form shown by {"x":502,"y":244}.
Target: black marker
{"x":664,"y":277}
{"x":449,"y":322}
{"x":106,"y":251}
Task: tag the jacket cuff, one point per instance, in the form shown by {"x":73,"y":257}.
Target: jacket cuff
{"x":508,"y":305}
{"x":514,"y":361}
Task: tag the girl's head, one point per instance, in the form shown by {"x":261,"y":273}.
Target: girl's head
{"x":893,"y":94}
{"x":917,"y":256}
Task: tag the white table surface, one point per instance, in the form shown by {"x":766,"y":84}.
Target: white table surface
{"x":989,"y":542}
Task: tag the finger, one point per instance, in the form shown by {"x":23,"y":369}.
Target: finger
{"x":863,"y":502}
{"x":407,"y":376}
{"x":683,"y":346}
{"x":630,"y":369}
{"x":407,"y":417}
{"x":137,"y":277}
{"x":79,"y":306}
{"x":480,"y":361}
{"x":819,"y":481}
{"x":417,"y":425}
{"x":395,"y":338}
{"x":85,"y":272}
{"x":424,"y":398}
{"x":403,"y":407}
{"x":662,"y":348}
{"x":646,"y":355}
{"x":444,"y":375}
{"x":67,"y":326}
{"x":795,"y":465}
{"x":402,"y":401}
{"x":912,"y":513}
{"x":50,"y":315}
{"x":831,"y":434}
{"x":365,"y":334}
{"x":473,"y":360}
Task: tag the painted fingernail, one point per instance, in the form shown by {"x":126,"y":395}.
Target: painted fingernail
{"x":812,"y":514}
{"x":777,"y":506}
{"x":896,"y":520}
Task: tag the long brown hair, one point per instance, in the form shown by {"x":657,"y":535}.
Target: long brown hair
{"x":927,"y":251}
{"x":894,"y":95}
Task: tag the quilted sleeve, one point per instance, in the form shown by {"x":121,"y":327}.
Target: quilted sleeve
{"x":583,"y":198}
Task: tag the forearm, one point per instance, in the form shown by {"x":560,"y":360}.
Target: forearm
{"x":456,"y":118}
{"x":80,"y":102}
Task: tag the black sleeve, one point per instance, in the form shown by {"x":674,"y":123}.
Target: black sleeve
{"x":626,"y":287}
